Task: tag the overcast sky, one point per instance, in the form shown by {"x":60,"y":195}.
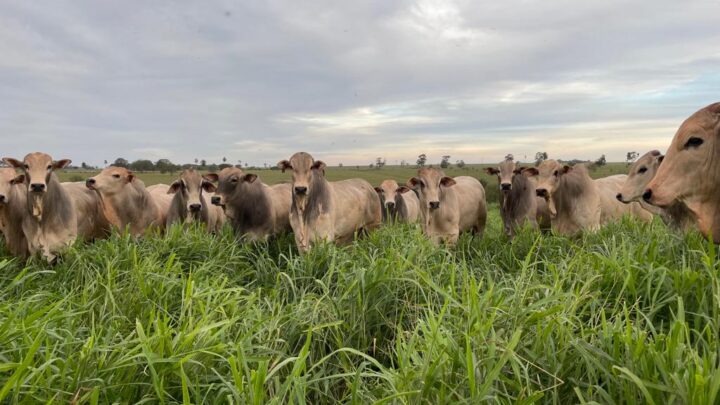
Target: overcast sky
{"x":348,"y":81}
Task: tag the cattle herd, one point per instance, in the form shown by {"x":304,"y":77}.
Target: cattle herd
{"x":39,"y":215}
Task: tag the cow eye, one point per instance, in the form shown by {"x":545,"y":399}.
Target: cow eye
{"x":49,"y":167}
{"x":117,"y":176}
{"x":642,"y":170}
{"x":556,"y":173}
{"x":27,"y":167}
{"x":234,"y":179}
{"x":693,"y":142}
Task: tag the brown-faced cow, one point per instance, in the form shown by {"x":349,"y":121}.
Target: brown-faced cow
{"x":449,"y":205}
{"x":399,"y":203}
{"x":192,"y":194}
{"x":690,"y":172}
{"x":328,"y":211}
{"x":255,"y":210}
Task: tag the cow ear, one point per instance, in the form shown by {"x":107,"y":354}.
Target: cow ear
{"x":378,"y":190}
{"x":660,"y":158}
{"x":13,"y":162}
{"x":18,"y":180}
{"x":174,"y":187}
{"x":566,"y":169}
{"x":284,"y":165}
{"x":250,"y":178}
{"x":531,"y":171}
{"x":655,"y":152}
{"x":491,"y":171}
{"x":208,"y":186}
{"x":130,"y":177}
{"x":519,"y":170}
{"x":447,"y":181}
{"x":213,"y":177}
{"x":413,"y":182}
{"x":61,"y":164}
{"x":403,"y":189}
{"x":319,"y":165}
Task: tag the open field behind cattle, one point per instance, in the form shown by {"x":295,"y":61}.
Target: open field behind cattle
{"x":626,"y":315}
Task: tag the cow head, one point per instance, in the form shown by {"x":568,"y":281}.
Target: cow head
{"x":505,"y":172}
{"x":8,"y":179}
{"x":641,"y":172}
{"x":429,"y":185}
{"x":191,"y":186}
{"x":37,"y":169}
{"x":110,"y":181}
{"x":389,"y":192}
{"x":305,"y":170}
{"x":229,"y":182}
{"x":548,"y":177}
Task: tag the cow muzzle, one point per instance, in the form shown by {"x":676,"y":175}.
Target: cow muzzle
{"x":390,"y":205}
{"x":301,"y":190}
{"x":647,"y":196}
{"x":542,"y":192}
{"x":434,"y":205}
{"x":216,"y":200}
{"x":90,"y":183}
{"x":37,"y":187}
{"x":506,"y":187}
{"x":3,"y":199}
{"x":194,"y":207}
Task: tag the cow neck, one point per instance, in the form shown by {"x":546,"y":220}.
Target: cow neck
{"x":318,"y":201}
{"x":707,"y":216}
{"x":401,"y":210}
{"x":56,"y":207}
{"x":572,"y":186}
{"x":13,"y":213}
{"x":131,"y":206}
{"x":251,"y":206}
{"x":521,"y":195}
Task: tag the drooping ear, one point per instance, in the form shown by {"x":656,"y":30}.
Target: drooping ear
{"x":403,"y":189}
{"x":378,"y":190}
{"x":13,"y":162}
{"x":20,"y":179}
{"x":174,"y":187}
{"x":519,"y":170}
{"x":319,"y":165}
{"x":531,"y":171}
{"x":250,"y":178}
{"x":566,"y":169}
{"x":61,"y":164}
{"x":208,"y":186}
{"x":212,"y":177}
{"x":413,"y":182}
{"x":447,"y":181}
{"x":491,"y":171}
{"x":284,"y":165}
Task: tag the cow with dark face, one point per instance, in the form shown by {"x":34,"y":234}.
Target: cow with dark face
{"x":192,"y":194}
{"x":449,"y":206}
{"x":690,"y":171}
{"x":255,"y":210}
{"x":328,"y":211}
{"x":399,"y":203}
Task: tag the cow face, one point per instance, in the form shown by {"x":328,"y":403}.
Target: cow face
{"x":228,"y":190}
{"x":429,"y":184}
{"x":689,"y":171}
{"x":641,"y":172}
{"x":304,"y":171}
{"x":37,"y":169}
{"x":548,"y":177}
{"x":387,"y":192}
{"x":505,"y":172}
{"x":8,"y":178}
{"x":110,"y":181}
{"x":191,"y":185}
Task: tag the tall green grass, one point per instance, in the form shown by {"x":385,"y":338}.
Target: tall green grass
{"x":626,"y":315}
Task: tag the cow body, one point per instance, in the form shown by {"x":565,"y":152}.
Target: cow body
{"x":399,"y":203}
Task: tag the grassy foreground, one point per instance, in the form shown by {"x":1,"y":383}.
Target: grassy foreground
{"x":627,"y":315}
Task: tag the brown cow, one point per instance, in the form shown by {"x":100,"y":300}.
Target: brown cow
{"x":676,"y":215}
{"x":331,"y":211}
{"x":399,"y":203}
{"x":57,"y":214}
{"x":449,"y":205}
{"x":13,"y":205}
{"x":577,"y":202}
{"x":190,"y":204}
{"x":255,"y":210}
{"x":518,"y":201}
{"x":690,"y":172}
{"x":127,"y":203}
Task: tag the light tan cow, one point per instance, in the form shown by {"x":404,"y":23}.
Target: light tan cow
{"x":676,"y":215}
{"x":329,"y":211}
{"x":13,"y":208}
{"x":57,"y":214}
{"x":127,"y":203}
{"x":518,"y":200}
{"x":255,"y":210}
{"x":192,"y":194}
{"x":690,"y":172}
{"x":577,"y":202}
{"x":399,"y":203}
{"x":449,"y":205}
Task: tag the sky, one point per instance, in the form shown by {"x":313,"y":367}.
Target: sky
{"x":349,"y":81}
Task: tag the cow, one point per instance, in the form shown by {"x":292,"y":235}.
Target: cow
{"x":399,"y":203}
{"x":449,"y":205}
{"x":13,"y":205}
{"x":676,"y":215}
{"x":328,"y":211}
{"x":576,"y":202}
{"x":255,"y":210}
{"x":690,"y":171}
{"x":127,"y":203}
{"x":518,"y":202}
{"x":57,"y":214}
{"x":192,"y":194}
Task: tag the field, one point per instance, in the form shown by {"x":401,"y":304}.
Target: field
{"x":629,"y":314}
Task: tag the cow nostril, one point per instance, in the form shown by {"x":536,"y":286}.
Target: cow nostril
{"x":37,"y":187}
{"x":90,"y":181}
{"x":647,"y":195}
{"x":2,"y":198}
{"x":300,"y":190}
{"x":541,"y":192}
{"x":195,"y":207}
{"x":215,"y":200}
{"x":505,"y":186}
{"x":434,"y":204}
{"x":619,"y":197}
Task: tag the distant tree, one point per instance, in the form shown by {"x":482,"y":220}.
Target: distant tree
{"x":540,"y":157}
{"x":445,"y":162}
{"x":203,"y":163}
{"x":246,"y":164}
{"x":196,"y":161}
{"x":379,"y":162}
{"x":340,"y":165}
{"x":105,"y":161}
{"x":222,"y":166}
{"x":239,"y":163}
{"x":84,"y":165}
{"x":631,"y":156}
{"x":120,"y":162}
{"x":509,"y":156}
{"x":142,"y":165}
{"x":165,"y":166}
{"x":403,"y":163}
{"x":600,"y":161}
{"x":460,"y":163}
{"x":372,"y":165}
{"x":224,"y":159}
{"x":421,"y":160}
